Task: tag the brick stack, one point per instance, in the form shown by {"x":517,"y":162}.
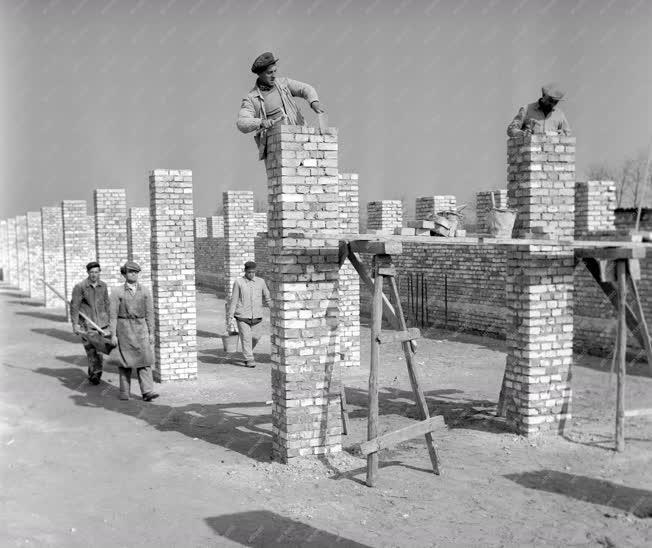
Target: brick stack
{"x":54,"y":271}
{"x":201,"y":227}
{"x":216,"y":226}
{"x":541,"y":185}
{"x":384,"y":216}
{"x":595,"y":206}
{"x":260,"y":222}
{"x":349,"y":280}
{"x":173,"y":274}
{"x":78,"y":242}
{"x":483,"y":205}
{"x":238,"y":234}
{"x":35,"y":247}
{"x":111,"y":232}
{"x":22,"y":252}
{"x":4,"y":250}
{"x":539,"y":295}
{"x":139,"y":235}
{"x":12,"y":252}
{"x":303,"y":229}
{"x":425,"y":207}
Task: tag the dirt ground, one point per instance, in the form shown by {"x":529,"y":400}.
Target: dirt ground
{"x":81,"y":468}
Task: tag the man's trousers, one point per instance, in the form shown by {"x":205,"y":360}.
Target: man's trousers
{"x":144,"y":379}
{"x":249,"y":337}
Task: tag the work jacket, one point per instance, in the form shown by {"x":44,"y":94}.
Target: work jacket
{"x":132,"y":322}
{"x":252,"y":109}
{"x":533,"y":118}
{"x":247,"y":298}
{"x":92,"y":301}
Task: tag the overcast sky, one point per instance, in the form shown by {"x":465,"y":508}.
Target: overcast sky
{"x":95,"y":93}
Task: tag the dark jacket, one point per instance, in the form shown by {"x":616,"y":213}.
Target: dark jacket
{"x":92,"y":301}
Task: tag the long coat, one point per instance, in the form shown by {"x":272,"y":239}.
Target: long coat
{"x":132,"y":321}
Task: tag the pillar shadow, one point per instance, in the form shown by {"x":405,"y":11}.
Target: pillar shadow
{"x":586,"y":489}
{"x":60,"y":334}
{"x":219,"y":424}
{"x":12,"y":292}
{"x":49,"y":316}
{"x":265,"y":529}
{"x":217,"y":356}
{"x":207,"y":334}
{"x":26,"y":303}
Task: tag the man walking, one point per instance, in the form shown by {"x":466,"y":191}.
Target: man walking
{"x":91,"y":297}
{"x":271,"y":100}
{"x":246,"y":306}
{"x":132,"y":325}
{"x":542,"y":116}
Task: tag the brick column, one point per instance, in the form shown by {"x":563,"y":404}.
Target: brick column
{"x":4,"y":250}
{"x":139,"y":235}
{"x":303,"y":221}
{"x":23,"y":252}
{"x":426,"y":206}
{"x":260,"y":222}
{"x":111,"y":232}
{"x":54,"y":270}
{"x":216,"y":226}
{"x":239,"y":236}
{"x":539,"y":298}
{"x":173,"y":274}
{"x":35,"y":247}
{"x":541,"y":185}
{"x":483,"y":205}
{"x":349,"y":280}
{"x":201,"y":227}
{"x":595,"y":207}
{"x":78,"y":242}
{"x":385,"y":216}
{"x":12,"y":252}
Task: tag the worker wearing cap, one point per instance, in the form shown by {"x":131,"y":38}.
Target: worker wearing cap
{"x":271,"y":100}
{"x":249,"y":295}
{"x":542,"y":116}
{"x":91,"y":297}
{"x":132,"y":325}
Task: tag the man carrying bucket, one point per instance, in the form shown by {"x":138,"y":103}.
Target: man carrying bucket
{"x":249,"y":295}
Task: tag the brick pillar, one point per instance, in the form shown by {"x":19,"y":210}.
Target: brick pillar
{"x":349,"y":280}
{"x":239,"y":236}
{"x":595,"y":207}
{"x":385,"y":216}
{"x":111,"y":232}
{"x":216,"y":226}
{"x":201,"y":227}
{"x":426,"y":206}
{"x":4,"y":250}
{"x":483,"y":205}
{"x":35,"y":247}
{"x":541,"y":185}
{"x":539,"y":298}
{"x":260,"y":222}
{"x":23,"y":252}
{"x":139,"y":235}
{"x":78,"y":242}
{"x":54,"y":270}
{"x":303,"y":221}
{"x":12,"y":252}
{"x":173,"y":274}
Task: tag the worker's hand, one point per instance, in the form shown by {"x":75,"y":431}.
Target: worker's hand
{"x":76,"y":329}
{"x":317,"y":107}
{"x":114,"y":340}
{"x":151,"y":339}
{"x":266,"y":123}
{"x":106,"y":332}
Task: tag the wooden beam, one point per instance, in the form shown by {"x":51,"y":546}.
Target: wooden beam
{"x":399,"y":336}
{"x":642,"y":331}
{"x":376,"y":247}
{"x":638,"y":412}
{"x":621,"y":350}
{"x":613,"y":253}
{"x":346,"y":424}
{"x":403,"y":434}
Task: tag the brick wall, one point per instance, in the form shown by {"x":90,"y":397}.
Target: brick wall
{"x":22,"y":252}
{"x":384,"y":216}
{"x":595,"y":202}
{"x":111,"y":232}
{"x":78,"y":242}
{"x":425,"y":207}
{"x":139,"y":238}
{"x":216,"y":226}
{"x":35,"y":247}
{"x":483,"y":205}
{"x":12,"y":251}
{"x":54,"y":270}
{"x":260,"y":222}
{"x":173,"y":274}
{"x":201,"y":227}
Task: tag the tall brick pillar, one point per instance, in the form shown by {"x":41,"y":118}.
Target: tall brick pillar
{"x":239,"y":236}
{"x":35,"y":247}
{"x":216,"y":226}
{"x":23,"y":252}
{"x":385,"y":216}
{"x":483,"y":205}
{"x":12,"y":252}
{"x":4,"y":250}
{"x":539,"y":295}
{"x":54,"y":270}
{"x":595,"y":207}
{"x":426,"y":206}
{"x":78,"y":242}
{"x":303,"y":221}
{"x":349,"y":280}
{"x":139,"y":236}
{"x":541,"y":185}
{"x":260,"y":222}
{"x":111,"y":232}
{"x":201,"y":227}
{"x":173,"y":274}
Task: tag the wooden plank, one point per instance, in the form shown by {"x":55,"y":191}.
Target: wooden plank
{"x":421,"y":224}
{"x":621,"y":349}
{"x":399,"y":336}
{"x":376,"y":247}
{"x":638,"y":412}
{"x":407,"y":433}
{"x":346,"y":423}
{"x":613,"y":253}
{"x":372,"y":425}
{"x":642,"y":331}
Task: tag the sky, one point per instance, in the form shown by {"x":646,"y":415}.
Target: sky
{"x":95,"y":93}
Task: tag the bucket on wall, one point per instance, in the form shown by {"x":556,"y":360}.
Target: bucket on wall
{"x":500,"y":222}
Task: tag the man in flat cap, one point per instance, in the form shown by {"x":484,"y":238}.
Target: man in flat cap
{"x":246,"y":307}
{"x":272,"y":100}
{"x":132,"y":325}
{"x":91,"y":297}
{"x":542,"y":116}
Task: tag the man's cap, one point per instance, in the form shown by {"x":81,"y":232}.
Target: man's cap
{"x":250,"y":265}
{"x":553,"y":90}
{"x":130,"y":265}
{"x":92,"y":264}
{"x":263,"y":61}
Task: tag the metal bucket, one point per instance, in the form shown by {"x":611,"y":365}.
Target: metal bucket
{"x":500,"y":222}
{"x":230,"y":343}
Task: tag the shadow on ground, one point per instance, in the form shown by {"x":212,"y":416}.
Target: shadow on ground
{"x":43,"y":315}
{"x":60,"y":334}
{"x":220,"y":424}
{"x":594,"y":491}
{"x":269,"y":530}
{"x":216,"y":356}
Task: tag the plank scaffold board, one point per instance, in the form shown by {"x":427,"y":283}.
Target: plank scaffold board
{"x":407,"y":433}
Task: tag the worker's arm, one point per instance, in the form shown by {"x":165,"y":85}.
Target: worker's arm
{"x":75,"y":302}
{"x":306,"y":91}
{"x":267,"y":298}
{"x":235,"y":296}
{"x":149,"y":312}
{"x":515,"y":128}
{"x":107,"y":304}
{"x":564,"y":126}
{"x":113,"y":312}
{"x":247,"y":121}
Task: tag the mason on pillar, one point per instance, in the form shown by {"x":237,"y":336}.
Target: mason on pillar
{"x":542,"y":116}
{"x":271,"y":100}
